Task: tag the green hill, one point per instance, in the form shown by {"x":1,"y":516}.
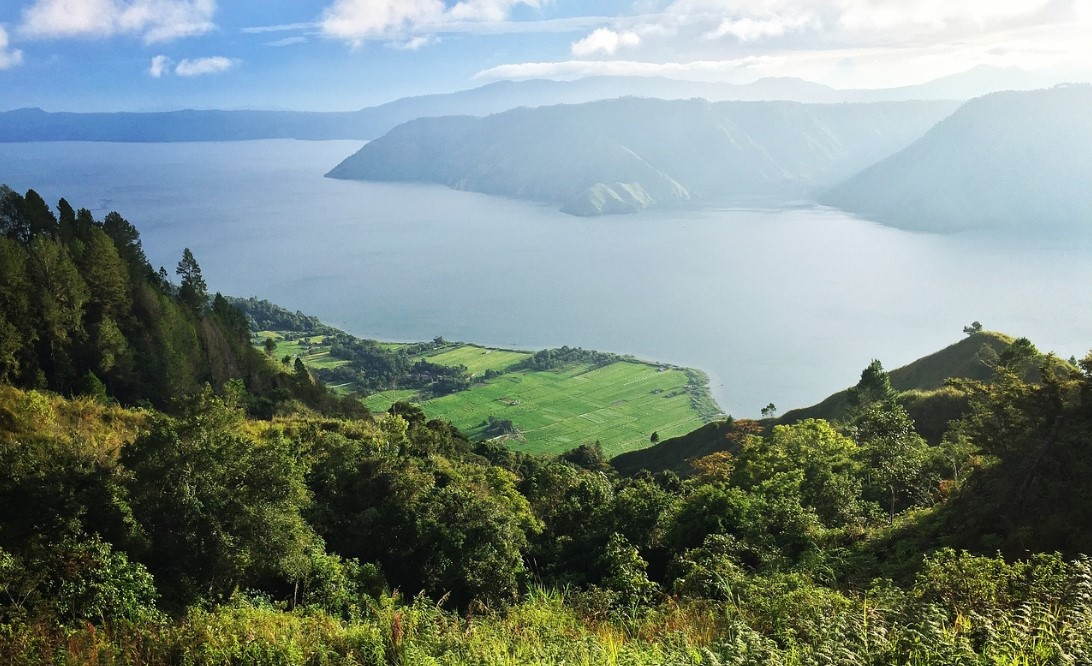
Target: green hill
{"x":971,"y":358}
{"x":922,"y":392}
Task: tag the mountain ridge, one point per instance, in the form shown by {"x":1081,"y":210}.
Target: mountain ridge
{"x":35,"y":124}
{"x":630,"y":153}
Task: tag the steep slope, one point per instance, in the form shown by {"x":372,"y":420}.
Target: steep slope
{"x":922,"y":392}
{"x":1016,"y":160}
{"x":970,"y":358}
{"x":624,"y":154}
{"x":675,"y":454}
{"x":83,"y":312}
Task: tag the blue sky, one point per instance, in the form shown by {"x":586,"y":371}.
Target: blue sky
{"x":92,"y":55}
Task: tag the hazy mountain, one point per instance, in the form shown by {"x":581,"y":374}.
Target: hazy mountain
{"x":1013,"y":159}
{"x":368,"y":123}
{"x":975,"y":82}
{"x":625,"y":154}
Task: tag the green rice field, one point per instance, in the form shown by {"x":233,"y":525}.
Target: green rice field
{"x":619,"y":405}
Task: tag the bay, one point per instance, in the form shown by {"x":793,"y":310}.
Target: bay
{"x":780,"y":304}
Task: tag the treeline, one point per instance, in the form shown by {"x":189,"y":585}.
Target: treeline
{"x":803,"y":539}
{"x":83,"y":312}
{"x":372,"y":366}
{"x":262,"y":315}
{"x":552,"y":359}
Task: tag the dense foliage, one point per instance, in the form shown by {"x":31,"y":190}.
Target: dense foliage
{"x":262,"y":315}
{"x":370,"y":366}
{"x":809,"y":538}
{"x":198,"y":534}
{"x":83,"y":312}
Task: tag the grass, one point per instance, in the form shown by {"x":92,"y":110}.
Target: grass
{"x":382,"y":401}
{"x":620,"y":405}
{"x":478,"y":359}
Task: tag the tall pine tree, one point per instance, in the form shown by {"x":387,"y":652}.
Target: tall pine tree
{"x":192,"y":291}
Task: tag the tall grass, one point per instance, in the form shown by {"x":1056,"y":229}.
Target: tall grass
{"x":546,"y":628}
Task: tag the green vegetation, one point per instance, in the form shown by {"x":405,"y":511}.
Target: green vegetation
{"x":554,"y":399}
{"x":618,"y":405}
{"x":85,"y":313}
{"x":144,"y":523}
{"x":812,"y":539}
{"x":933,"y":390}
{"x":384,"y":400}
{"x":552,"y":410}
{"x":477,"y":360}
{"x":973,"y":357}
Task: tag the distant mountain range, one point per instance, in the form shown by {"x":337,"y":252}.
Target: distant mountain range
{"x":368,"y":123}
{"x":622,"y":155}
{"x":1006,"y":160}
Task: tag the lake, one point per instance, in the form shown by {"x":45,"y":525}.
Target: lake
{"x":784,"y":305}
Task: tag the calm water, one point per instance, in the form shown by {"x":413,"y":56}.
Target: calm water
{"x":776,"y":305}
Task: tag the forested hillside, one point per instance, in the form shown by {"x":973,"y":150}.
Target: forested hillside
{"x":83,"y":312}
{"x":622,"y":155}
{"x":157,"y":517}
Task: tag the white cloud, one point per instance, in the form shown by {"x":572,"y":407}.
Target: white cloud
{"x":845,"y":22}
{"x":605,"y":41}
{"x":287,"y":41}
{"x":158,"y":66}
{"x":400,"y":21}
{"x":848,"y":43}
{"x":452,"y":25}
{"x":202,"y":66}
{"x":282,"y":27}
{"x":153,"y":20}
{"x":747,"y":29}
{"x":161,"y":66}
{"x":8,"y":57}
{"x":571,"y":69}
{"x":414,"y":43}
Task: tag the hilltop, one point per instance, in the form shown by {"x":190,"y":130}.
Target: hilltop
{"x":973,"y":357}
